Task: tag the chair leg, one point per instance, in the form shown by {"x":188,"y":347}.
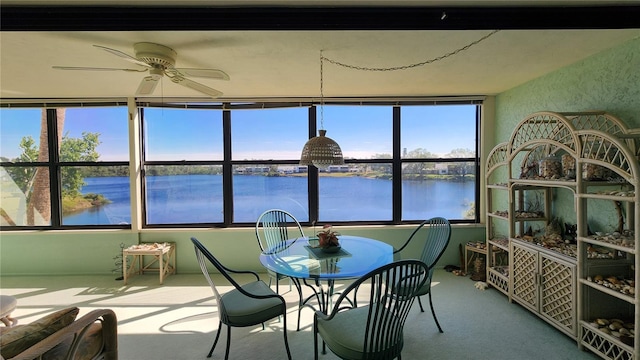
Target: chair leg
{"x":434,"y":313}
{"x":315,"y":342}
{"x":226,"y":354}
{"x":296,"y":282}
{"x":284,"y":331}
{"x":216,"y":340}
{"x":420,"y":303}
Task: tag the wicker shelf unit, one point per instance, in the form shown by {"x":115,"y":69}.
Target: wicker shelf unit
{"x":576,"y":285}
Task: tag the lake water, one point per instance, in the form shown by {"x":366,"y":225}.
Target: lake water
{"x":181,"y":199}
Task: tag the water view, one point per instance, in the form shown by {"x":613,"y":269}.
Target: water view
{"x":180,"y":199}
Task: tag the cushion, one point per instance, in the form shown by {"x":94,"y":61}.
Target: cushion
{"x":90,"y":345}
{"x":345,"y":333}
{"x":7,"y":305}
{"x":241,"y":310}
{"x":20,"y":338}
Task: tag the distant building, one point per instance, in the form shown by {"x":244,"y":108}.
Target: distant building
{"x":338,"y":168}
{"x":442,"y":169}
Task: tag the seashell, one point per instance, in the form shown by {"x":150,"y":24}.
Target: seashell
{"x":605,"y":330}
{"x":616,"y":334}
{"x":624,"y":331}
{"x":616,"y":326}
{"x":613,"y":280}
{"x":602,"y":322}
{"x":628,"y":325}
{"x":598,"y":278}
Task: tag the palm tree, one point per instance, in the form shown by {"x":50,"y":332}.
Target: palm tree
{"x":40,"y":199}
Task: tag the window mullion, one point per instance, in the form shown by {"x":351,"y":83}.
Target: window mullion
{"x":227,"y":169}
{"x":397,"y":168}
{"x":54,"y":167}
{"x":312,"y":172}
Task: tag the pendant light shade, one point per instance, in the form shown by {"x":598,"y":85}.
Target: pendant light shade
{"x":321,"y":152}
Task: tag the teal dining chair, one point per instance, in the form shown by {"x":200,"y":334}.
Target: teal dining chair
{"x":246,"y":305}
{"x":436,"y":239}
{"x":273,"y":228}
{"x":375,"y":330}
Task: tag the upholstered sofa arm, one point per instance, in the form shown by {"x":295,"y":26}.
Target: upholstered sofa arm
{"x":76,"y":335}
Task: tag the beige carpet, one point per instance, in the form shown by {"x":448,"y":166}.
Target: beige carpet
{"x":177,"y":320}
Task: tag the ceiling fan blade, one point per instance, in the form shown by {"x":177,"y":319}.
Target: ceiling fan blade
{"x":202,"y":73}
{"x":123,"y":55}
{"x":147,"y":85}
{"x":196,"y":86}
{"x":95,"y":68}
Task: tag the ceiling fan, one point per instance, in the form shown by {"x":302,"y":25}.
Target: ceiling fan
{"x":159,"y":61}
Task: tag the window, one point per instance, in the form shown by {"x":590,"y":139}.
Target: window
{"x":439,"y":161}
{"x":358,"y":191}
{"x":214,"y":164}
{"x":65,"y":167}
{"x":183,"y":152}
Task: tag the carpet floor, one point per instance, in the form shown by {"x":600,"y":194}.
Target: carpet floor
{"x":178,"y":320}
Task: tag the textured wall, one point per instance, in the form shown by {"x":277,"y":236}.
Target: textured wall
{"x":608,"y":81}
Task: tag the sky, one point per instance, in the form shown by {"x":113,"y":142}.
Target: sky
{"x":180,"y":134}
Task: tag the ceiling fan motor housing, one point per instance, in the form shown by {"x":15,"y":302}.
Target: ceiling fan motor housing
{"x":156,"y":55}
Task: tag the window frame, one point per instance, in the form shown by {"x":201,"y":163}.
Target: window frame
{"x":54,"y":165}
{"x":313,"y":174}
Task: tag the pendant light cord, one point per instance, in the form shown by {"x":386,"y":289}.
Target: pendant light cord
{"x":402,"y":67}
{"x":321,"y":91}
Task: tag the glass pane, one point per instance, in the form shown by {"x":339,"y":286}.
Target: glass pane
{"x":257,"y":188}
{"x":184,"y":194}
{"x":94,"y":134}
{"x":442,"y":131}
{"x":182,"y":134}
{"x":356,"y":192}
{"x":269,"y":134}
{"x":95,"y":195}
{"x":20,"y":135}
{"x":363,"y":132}
{"x":438,"y":189}
{"x":25,"y":196}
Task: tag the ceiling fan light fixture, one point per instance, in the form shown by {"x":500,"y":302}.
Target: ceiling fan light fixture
{"x":321,"y":152}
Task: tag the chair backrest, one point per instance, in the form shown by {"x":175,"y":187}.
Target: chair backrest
{"x":437,"y":240}
{"x":438,"y":234}
{"x":204,"y":256}
{"x":274,"y":227}
{"x":391,"y":293}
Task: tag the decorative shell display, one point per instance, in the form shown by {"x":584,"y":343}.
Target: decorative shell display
{"x":550,"y":168}
{"x":625,"y":238}
{"x":596,"y":172}
{"x":569,"y":166}
{"x":621,"y":330}
{"x":620,"y":284}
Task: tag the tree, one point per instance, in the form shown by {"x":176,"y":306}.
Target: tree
{"x":34,"y":181}
{"x":40,"y":199}
{"x":76,"y":150}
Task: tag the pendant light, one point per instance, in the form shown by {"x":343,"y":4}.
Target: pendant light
{"x":321,"y":151}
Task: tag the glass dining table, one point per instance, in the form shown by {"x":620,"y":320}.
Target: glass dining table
{"x":307,"y":264}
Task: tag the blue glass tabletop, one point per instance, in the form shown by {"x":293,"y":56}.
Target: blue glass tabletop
{"x":302,"y":258}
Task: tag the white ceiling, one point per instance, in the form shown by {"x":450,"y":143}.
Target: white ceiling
{"x":268,"y":64}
